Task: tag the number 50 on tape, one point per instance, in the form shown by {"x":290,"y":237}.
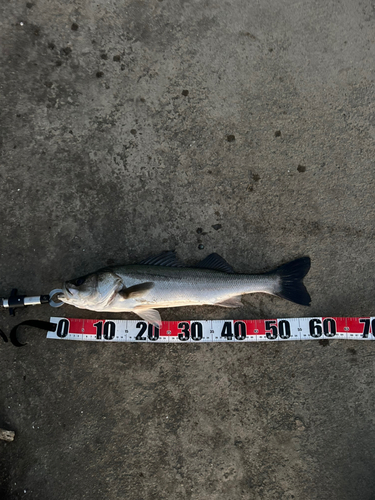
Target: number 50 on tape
{"x":269,"y":330}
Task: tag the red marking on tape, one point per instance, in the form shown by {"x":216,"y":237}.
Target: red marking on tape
{"x":257,"y":326}
{"x":351,"y":325}
{"x":82,"y":326}
{"x":170,"y":328}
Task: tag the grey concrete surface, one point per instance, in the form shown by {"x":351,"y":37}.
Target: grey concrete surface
{"x":125,"y":127}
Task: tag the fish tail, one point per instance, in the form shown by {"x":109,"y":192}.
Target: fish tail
{"x":291,"y":276}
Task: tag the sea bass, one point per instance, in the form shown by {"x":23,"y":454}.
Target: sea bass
{"x":162,"y":281}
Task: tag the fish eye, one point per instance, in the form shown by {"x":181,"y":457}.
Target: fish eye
{"x":79,"y":281}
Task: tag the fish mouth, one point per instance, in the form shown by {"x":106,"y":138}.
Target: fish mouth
{"x":67,"y":292}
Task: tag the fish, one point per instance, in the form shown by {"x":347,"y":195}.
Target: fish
{"x":162,"y":281}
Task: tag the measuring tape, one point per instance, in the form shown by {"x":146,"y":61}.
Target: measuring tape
{"x":259,"y":330}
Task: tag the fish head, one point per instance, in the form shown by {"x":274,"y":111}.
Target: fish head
{"x":93,"y":290}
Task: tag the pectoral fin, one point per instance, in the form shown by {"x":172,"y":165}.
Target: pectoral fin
{"x":150,"y":315}
{"x":232,"y":302}
{"x":136,"y":290}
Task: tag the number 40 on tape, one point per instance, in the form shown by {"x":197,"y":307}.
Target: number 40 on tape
{"x":269,"y":330}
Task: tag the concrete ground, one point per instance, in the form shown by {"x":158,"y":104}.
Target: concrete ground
{"x":132,"y":127}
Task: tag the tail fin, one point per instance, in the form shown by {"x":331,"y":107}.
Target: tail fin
{"x":291,"y":275}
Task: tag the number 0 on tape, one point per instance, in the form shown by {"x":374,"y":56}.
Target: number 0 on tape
{"x":259,"y":330}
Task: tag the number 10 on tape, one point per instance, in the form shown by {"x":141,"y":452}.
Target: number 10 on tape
{"x":269,"y":330}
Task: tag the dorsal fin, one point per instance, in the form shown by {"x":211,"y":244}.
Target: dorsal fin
{"x":167,"y":259}
{"x":214,"y":261}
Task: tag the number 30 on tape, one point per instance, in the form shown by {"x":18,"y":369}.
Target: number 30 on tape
{"x":269,"y":330}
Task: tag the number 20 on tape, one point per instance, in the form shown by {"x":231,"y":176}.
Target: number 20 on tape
{"x":283,"y":329}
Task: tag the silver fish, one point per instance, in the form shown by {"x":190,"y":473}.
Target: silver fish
{"x":162,"y":281}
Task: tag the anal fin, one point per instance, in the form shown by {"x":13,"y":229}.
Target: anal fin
{"x":232,"y":302}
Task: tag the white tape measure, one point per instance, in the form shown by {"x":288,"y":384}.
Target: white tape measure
{"x":258,"y":330}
